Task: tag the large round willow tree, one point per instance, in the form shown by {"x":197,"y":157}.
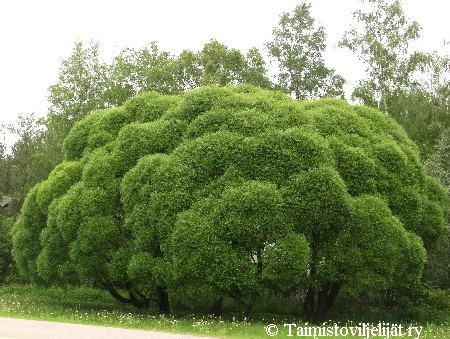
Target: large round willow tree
{"x":232,"y":192}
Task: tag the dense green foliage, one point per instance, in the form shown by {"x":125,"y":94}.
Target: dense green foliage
{"x":237,"y":192}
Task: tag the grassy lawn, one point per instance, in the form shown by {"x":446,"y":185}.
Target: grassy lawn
{"x":94,"y":307}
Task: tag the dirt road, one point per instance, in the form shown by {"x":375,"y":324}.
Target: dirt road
{"x":31,"y":329}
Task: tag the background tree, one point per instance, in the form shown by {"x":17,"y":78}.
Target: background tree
{"x":223,"y":66}
{"x":297,"y":47}
{"x":28,"y":161}
{"x":188,"y":70}
{"x":6,"y":216}
{"x":438,"y":164}
{"x":122,"y":81}
{"x":380,"y":40}
{"x":6,"y":260}
{"x":4,"y":162}
{"x":81,"y":84}
{"x":256,"y":70}
{"x":83,"y":80}
{"x":220,"y":65}
{"x":275,"y":188}
{"x":424,"y":117}
{"x":147,"y":69}
{"x":216,"y":64}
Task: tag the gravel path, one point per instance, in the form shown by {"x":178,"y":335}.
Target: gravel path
{"x":31,"y":329}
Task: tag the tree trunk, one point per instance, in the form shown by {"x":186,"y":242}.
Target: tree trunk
{"x":139,"y":301}
{"x":248,"y":311}
{"x":5,"y":267}
{"x":317,"y":303}
{"x":217,"y":311}
{"x":142,"y":302}
{"x":388,"y":299}
{"x":163,"y":300}
{"x":308,"y":303}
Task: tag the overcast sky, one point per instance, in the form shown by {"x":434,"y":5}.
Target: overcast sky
{"x":36,"y":35}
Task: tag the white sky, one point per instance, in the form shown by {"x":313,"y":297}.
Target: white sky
{"x":36,"y":35}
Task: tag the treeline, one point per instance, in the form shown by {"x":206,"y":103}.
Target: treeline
{"x":412,"y":87}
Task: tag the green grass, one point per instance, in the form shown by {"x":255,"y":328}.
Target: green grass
{"x":95,"y":307}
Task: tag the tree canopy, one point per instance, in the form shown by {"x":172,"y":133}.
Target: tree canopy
{"x":232,"y":191}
